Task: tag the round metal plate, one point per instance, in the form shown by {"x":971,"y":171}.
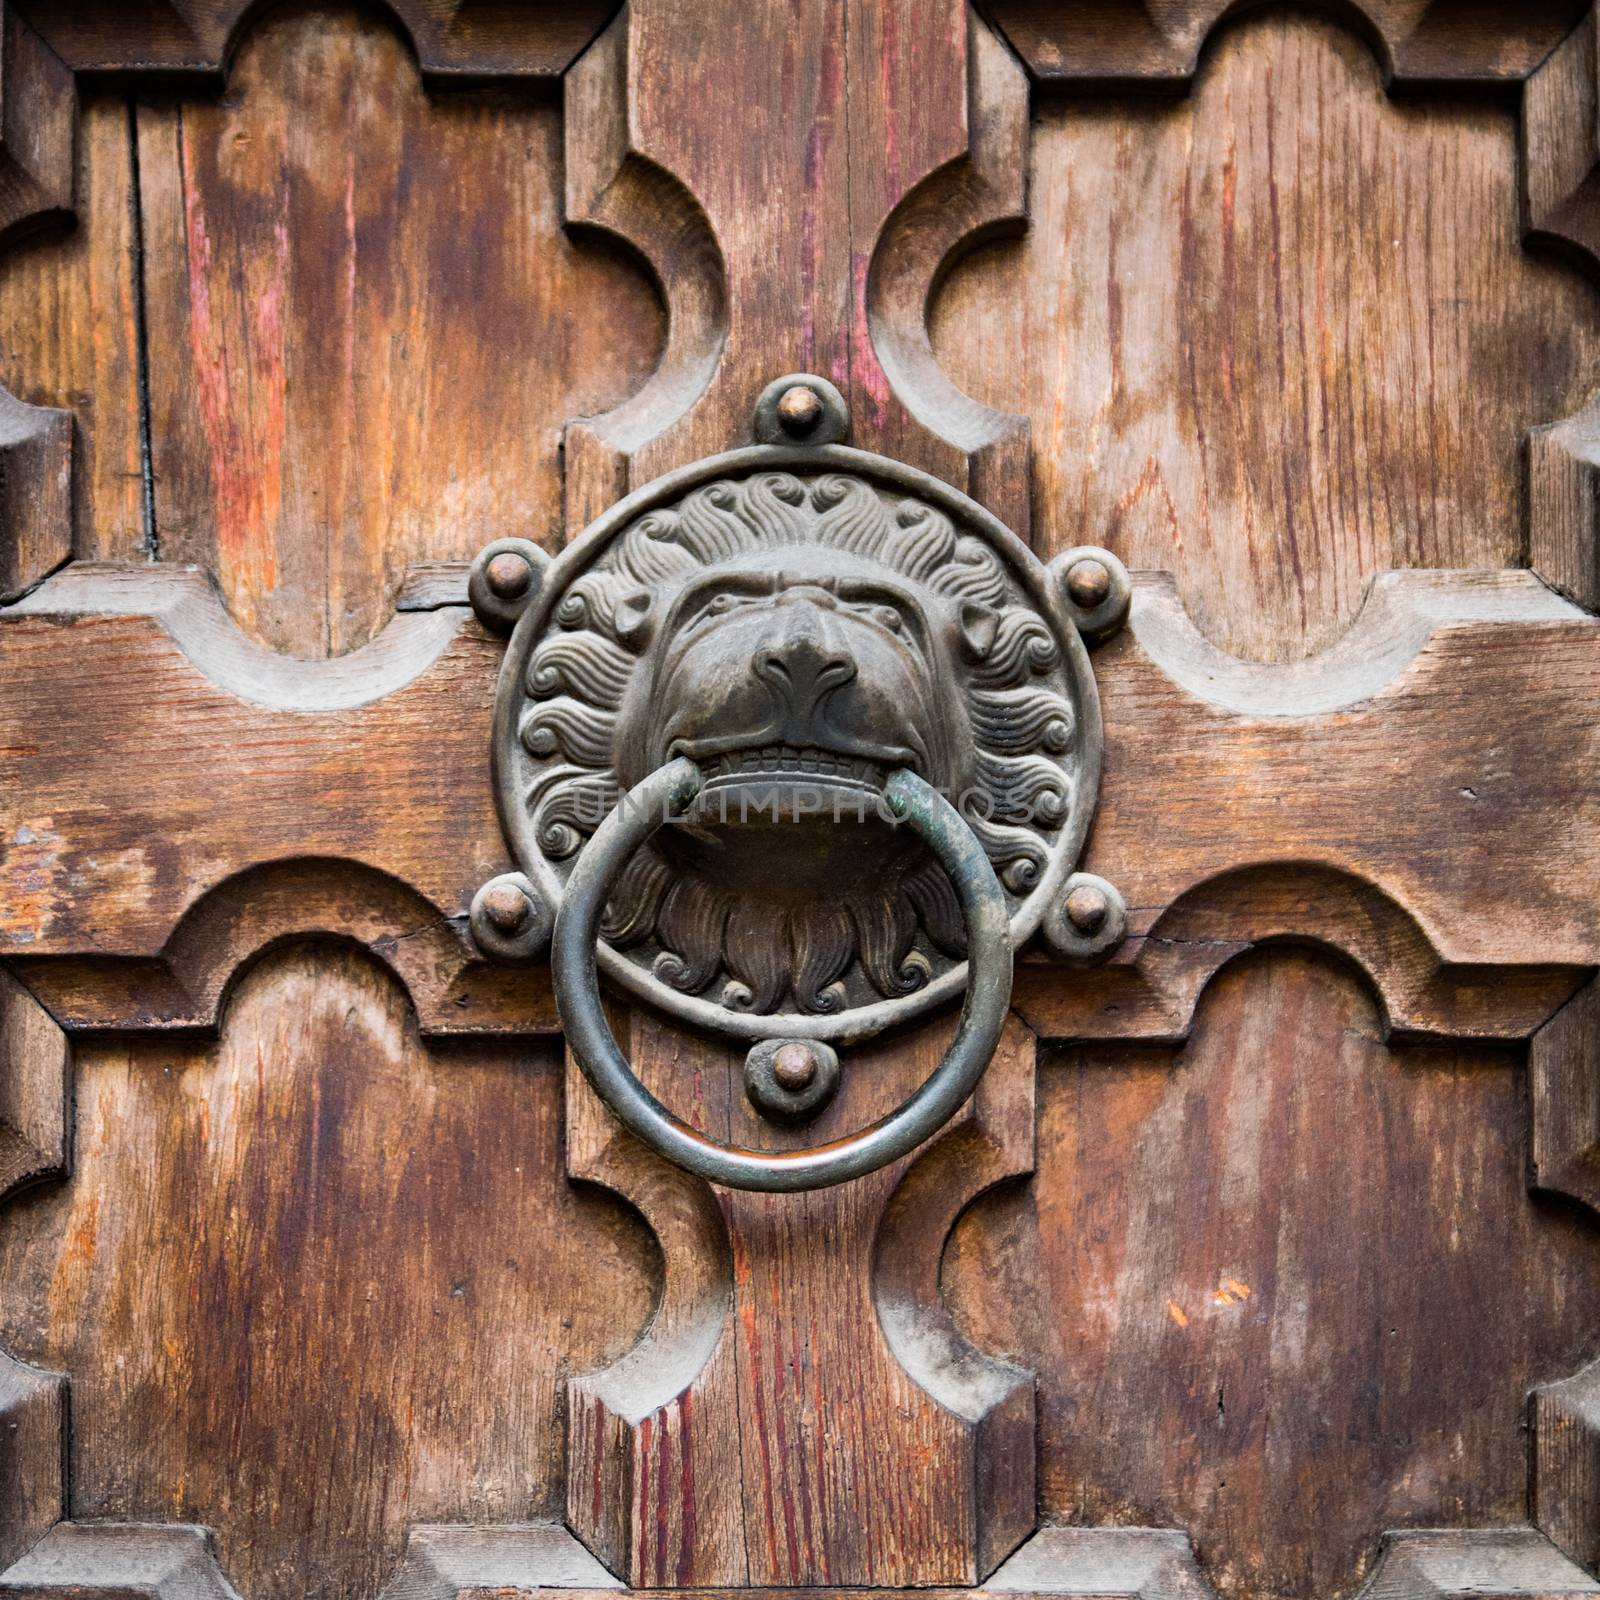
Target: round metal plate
{"x":574,"y":718}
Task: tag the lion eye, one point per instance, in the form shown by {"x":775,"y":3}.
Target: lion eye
{"x":723,"y":602}
{"x":888,"y":617}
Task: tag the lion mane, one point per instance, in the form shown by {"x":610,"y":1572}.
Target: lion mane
{"x":859,"y":945}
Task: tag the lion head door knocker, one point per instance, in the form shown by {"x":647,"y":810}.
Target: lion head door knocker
{"x":795,"y":743}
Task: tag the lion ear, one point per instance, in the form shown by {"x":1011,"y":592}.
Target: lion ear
{"x":979,"y":625}
{"x":635,"y":617}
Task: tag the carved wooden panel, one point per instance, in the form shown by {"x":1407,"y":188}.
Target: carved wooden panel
{"x":1263,"y":1263}
{"x":346,"y":295}
{"x":323,"y":1270}
{"x":1158,"y":44}
{"x":1291,"y":336}
{"x":36,"y":190}
{"x":735,"y":1444}
{"x":69,"y":347}
{"x":1314,"y":1293}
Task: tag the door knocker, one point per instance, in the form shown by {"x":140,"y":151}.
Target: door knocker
{"x":795,"y":743}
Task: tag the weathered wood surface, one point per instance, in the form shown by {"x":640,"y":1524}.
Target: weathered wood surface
{"x":360,"y":276}
{"x":465,"y":38}
{"x":315,"y":1281}
{"x":33,"y":1484}
{"x":1560,"y":186}
{"x":36,"y":192}
{"x":1565,"y":1418}
{"x":33,"y":1090}
{"x":458,"y":1563}
{"x":1564,"y":1089}
{"x":1434,"y":1565}
{"x":1282,"y":335}
{"x":876,"y":140}
{"x":802,"y":1410}
{"x":367,"y":331}
{"x":36,"y":124}
{"x":858,"y":122}
{"x":175,"y":1561}
{"x":1287,"y":1290}
{"x":69,"y":349}
{"x":1481,"y":740}
{"x":1159,"y":44}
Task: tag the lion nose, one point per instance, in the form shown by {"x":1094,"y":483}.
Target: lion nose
{"x":805,"y":663}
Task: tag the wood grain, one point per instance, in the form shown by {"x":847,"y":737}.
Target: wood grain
{"x":33,"y":1420}
{"x":1452,"y":773}
{"x":653,"y":1444}
{"x":289,"y":1320}
{"x":1276,"y":337}
{"x":1159,"y":43}
{"x":1561,"y":146}
{"x":34,"y":1068}
{"x":36,"y":128}
{"x":1289,"y":1290}
{"x":320,"y":1273}
{"x":1565,"y":1418}
{"x":879,"y":139}
{"x":451,"y":38}
{"x":804,"y":1351}
{"x":377,"y":327}
{"x":69,"y":340}
{"x":1561,"y":185}
{"x":1564,"y":1083}
{"x":37,"y":125}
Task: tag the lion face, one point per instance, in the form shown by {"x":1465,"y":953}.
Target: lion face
{"x":800,"y":638}
{"x":800,"y":665}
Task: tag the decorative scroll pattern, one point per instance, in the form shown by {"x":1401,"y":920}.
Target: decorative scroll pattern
{"x":1000,"y":707}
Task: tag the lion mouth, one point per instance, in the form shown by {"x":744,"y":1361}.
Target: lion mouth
{"x":724,"y":763}
{"x":787,"y":763}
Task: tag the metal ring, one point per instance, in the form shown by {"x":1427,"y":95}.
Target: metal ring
{"x":667,"y":793}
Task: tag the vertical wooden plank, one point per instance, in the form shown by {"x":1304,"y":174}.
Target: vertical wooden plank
{"x":803,"y":1411}
{"x":69,"y":339}
{"x":877,"y":139}
{"x":873,"y":139}
{"x":751,"y":235}
{"x":938,"y":93}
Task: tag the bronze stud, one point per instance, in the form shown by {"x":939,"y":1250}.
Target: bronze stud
{"x":506,"y":908}
{"x":1087,"y":907}
{"x":793,"y":1064}
{"x":1088,"y":584}
{"x":799,"y":409}
{"x":508,"y":575}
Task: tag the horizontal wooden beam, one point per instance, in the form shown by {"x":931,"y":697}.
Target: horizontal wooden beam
{"x":172,"y":796}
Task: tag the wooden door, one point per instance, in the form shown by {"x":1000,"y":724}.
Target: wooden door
{"x":1264,"y":1262}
